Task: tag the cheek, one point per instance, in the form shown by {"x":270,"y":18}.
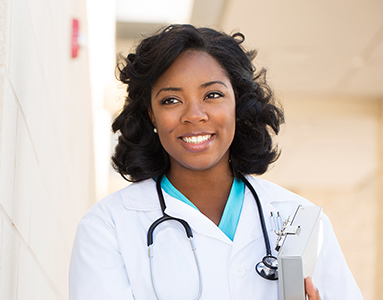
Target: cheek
{"x":232,"y":125}
{"x":228,"y":119}
{"x":165,"y":122}
{"x":232,"y":130}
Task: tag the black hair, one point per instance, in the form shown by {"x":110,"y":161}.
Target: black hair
{"x":139,"y":153}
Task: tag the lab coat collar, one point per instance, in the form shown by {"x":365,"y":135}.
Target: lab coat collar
{"x":197,"y":221}
{"x":248,"y":229}
{"x":142,"y":196}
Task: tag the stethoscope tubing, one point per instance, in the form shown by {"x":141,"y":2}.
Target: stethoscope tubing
{"x":260,"y":212}
{"x":267,"y":268}
{"x":189,"y":234}
{"x":164,"y":218}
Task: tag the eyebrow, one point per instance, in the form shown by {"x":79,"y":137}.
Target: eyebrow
{"x":202,"y":86}
{"x":174,"y":89}
{"x":207,"y":84}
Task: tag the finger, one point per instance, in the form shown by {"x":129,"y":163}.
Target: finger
{"x":311,"y":291}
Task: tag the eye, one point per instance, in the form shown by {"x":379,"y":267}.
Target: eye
{"x":170,"y":100}
{"x":214,"y":95}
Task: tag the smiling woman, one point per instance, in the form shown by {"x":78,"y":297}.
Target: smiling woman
{"x":197,"y":122}
{"x":251,"y":151}
{"x":193,"y":109}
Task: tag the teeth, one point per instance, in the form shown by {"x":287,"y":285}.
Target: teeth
{"x":196,"y":139}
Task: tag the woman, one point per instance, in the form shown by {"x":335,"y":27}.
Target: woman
{"x":196,"y":123}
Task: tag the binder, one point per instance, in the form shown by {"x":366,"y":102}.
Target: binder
{"x":299,"y":252}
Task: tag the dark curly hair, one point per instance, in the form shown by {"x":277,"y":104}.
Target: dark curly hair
{"x":139,"y":153}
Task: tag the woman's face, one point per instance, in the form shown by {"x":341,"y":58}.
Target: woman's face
{"x":193,"y":109}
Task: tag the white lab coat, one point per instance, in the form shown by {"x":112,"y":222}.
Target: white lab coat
{"x":110,"y":255}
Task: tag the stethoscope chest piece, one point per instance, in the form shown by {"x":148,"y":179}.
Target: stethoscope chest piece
{"x":268,"y":267}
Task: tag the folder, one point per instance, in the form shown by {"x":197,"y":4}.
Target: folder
{"x":299,"y":252}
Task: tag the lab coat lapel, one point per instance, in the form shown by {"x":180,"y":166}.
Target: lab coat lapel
{"x":143,"y":196}
{"x":198,"y":222}
{"x":249,"y":227}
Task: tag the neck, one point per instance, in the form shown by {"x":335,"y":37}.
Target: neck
{"x":183,"y":178}
{"x":208,"y":190}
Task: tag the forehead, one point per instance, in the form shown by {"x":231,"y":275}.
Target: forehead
{"x":192,"y":66}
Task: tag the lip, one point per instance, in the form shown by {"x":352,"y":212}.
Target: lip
{"x":197,"y":146}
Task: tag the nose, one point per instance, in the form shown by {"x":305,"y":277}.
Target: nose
{"x":194,"y":113}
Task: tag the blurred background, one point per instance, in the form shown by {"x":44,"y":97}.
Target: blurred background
{"x":59,"y":95}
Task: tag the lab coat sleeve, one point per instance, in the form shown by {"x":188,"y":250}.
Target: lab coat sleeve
{"x":332,"y":276}
{"x":97,"y":270}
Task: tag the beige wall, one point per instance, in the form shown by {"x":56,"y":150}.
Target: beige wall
{"x":46,"y":152}
{"x":330,"y":155}
{"x":379,"y":236}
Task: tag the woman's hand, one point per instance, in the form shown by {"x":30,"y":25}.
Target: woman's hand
{"x":311,"y":291}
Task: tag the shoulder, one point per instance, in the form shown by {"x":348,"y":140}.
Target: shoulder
{"x":274,"y":192}
{"x":139,"y":196}
{"x":275,"y":196}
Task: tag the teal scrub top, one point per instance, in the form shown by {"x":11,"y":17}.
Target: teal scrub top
{"x":232,"y":212}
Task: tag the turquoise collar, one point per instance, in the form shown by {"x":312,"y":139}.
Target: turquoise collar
{"x":232,"y":212}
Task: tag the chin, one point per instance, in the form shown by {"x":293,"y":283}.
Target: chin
{"x":205,"y":166}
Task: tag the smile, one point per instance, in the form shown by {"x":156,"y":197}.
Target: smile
{"x":196,"y":139}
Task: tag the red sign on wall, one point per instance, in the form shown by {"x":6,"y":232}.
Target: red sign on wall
{"x":75,"y":33}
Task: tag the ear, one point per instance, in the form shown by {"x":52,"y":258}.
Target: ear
{"x":151,"y":116}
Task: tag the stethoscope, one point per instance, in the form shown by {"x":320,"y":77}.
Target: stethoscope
{"x":267,"y":268}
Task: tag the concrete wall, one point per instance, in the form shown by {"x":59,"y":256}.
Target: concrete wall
{"x":46,"y":146}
